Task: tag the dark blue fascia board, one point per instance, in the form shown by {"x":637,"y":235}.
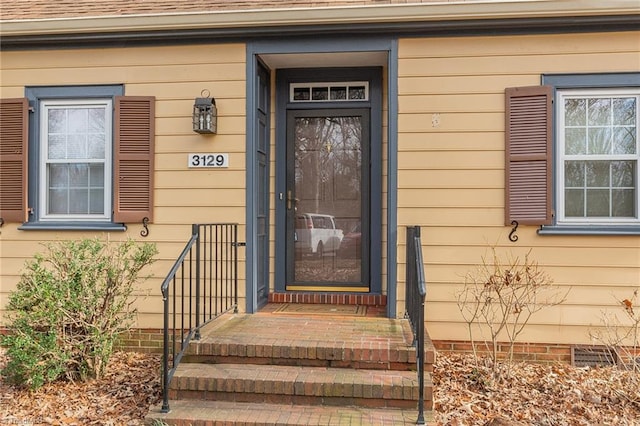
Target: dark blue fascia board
{"x":470,"y":27}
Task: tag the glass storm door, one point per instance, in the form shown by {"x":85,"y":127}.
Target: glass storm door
{"x":327,"y":199}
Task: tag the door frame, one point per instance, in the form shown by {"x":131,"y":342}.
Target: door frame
{"x":285,"y":77}
{"x":326,"y":45}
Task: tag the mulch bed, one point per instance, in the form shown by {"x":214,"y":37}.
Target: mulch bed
{"x":533,"y":394}
{"x":122,"y":397}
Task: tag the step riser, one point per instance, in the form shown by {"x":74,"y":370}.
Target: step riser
{"x":300,"y":400}
{"x":400,"y":359}
{"x":303,"y":362}
{"x":382,"y":354}
{"x":298,"y":385}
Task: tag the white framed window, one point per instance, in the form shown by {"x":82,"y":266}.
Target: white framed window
{"x":75,"y":167}
{"x":597,"y":156}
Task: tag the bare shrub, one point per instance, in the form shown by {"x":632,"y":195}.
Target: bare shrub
{"x":501,"y":296}
{"x":619,"y":332}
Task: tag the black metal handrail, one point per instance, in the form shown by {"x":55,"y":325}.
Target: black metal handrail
{"x":201,"y":285}
{"x":416,"y":290}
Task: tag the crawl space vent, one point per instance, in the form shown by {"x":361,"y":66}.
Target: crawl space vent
{"x":589,"y":356}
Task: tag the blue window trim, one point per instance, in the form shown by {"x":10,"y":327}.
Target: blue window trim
{"x":72,"y":226}
{"x":318,"y":44}
{"x":587,"y":81}
{"x":589,"y":230}
{"x":34,"y":95}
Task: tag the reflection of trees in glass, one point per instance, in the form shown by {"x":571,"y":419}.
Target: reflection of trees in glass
{"x":597,"y":126}
{"x":327,"y":148}
{"x":603,"y":127}
{"x":599,"y":188}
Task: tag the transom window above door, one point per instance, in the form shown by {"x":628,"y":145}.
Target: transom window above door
{"x":329,"y":92}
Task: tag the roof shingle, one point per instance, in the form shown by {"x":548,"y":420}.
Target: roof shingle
{"x":43,"y":9}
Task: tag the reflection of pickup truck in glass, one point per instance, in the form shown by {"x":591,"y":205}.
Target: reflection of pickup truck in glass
{"x":316,"y":234}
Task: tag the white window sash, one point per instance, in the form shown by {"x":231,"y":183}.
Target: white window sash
{"x":561,"y":157}
{"x":44,"y":161}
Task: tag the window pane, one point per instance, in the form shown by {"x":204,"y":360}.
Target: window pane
{"x":357,"y":92}
{"x":96,"y":146}
{"x":623,"y":173}
{"x":574,"y":202}
{"x":575,"y":112}
{"x":78,"y":175}
{"x":96,"y":120}
{"x":58,"y":201}
{"x":320,"y":93}
{"x":78,"y":201}
{"x":597,"y":173}
{"x":56,"y":121}
{"x":598,"y":203}
{"x":624,"y":140}
{"x":301,"y":94}
{"x":575,"y":141}
{"x":58,"y":176}
{"x":77,"y":120}
{"x":623,"y":203}
{"x":77,"y":147}
{"x":96,"y":201}
{"x":574,"y":174}
{"x":338,"y":93}
{"x":624,"y":111}
{"x":599,"y":112}
{"x":96,"y":176}
{"x":600,"y":140}
{"x":57,"y":147}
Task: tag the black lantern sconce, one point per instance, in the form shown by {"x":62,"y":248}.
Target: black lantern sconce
{"x":205,"y":114}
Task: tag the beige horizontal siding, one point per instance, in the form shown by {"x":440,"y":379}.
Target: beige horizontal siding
{"x":519,"y":46}
{"x":460,"y":160}
{"x":451,"y":175}
{"x":525,"y":65}
{"x":175,"y":76}
{"x":149,"y":56}
{"x":452,"y":141}
{"x":450,"y":179}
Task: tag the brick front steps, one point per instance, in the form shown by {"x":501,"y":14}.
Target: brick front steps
{"x":297,"y":370}
{"x":296,"y":385}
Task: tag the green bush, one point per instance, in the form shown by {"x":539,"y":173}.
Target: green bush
{"x":69,"y":307}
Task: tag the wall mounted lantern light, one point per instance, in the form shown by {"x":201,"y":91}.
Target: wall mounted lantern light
{"x":205,"y":114}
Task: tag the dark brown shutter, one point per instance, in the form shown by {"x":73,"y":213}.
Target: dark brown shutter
{"x":528,"y":155}
{"x":14,"y":123}
{"x":134,"y":150}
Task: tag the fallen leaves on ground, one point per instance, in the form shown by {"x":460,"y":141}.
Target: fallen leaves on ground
{"x":465,"y":395}
{"x":533,"y":394}
{"x":121,"y":398}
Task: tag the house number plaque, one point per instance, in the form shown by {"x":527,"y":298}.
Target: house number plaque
{"x":208,"y":160}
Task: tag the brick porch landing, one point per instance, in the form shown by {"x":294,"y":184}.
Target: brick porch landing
{"x":299,"y":369}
